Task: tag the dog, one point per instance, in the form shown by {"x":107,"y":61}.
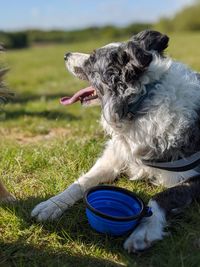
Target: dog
{"x":150,"y":109}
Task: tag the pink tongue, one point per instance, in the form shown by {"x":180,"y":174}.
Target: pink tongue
{"x":77,"y":96}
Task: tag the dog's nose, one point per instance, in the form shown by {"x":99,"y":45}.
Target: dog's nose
{"x":67,"y":55}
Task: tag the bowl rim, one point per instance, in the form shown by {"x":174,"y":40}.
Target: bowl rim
{"x":141,"y":214}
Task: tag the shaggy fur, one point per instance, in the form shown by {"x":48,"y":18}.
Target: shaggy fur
{"x":165,"y":126}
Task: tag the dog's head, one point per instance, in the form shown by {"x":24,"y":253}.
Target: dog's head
{"x":115,"y":72}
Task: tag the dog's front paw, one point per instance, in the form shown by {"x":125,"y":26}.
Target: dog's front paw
{"x":142,"y":238}
{"x":151,"y":229}
{"x":48,"y":210}
{"x":55,"y":206}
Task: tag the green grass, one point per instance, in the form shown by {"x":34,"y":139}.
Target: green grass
{"x":45,"y":146}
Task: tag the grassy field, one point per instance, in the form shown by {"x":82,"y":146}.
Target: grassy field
{"x":45,"y":146}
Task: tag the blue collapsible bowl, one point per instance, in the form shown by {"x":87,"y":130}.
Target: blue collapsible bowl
{"x":114,"y":210}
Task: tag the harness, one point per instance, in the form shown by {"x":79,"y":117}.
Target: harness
{"x":181,"y":165}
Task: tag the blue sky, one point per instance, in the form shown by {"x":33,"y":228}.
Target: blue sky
{"x":73,"y":14}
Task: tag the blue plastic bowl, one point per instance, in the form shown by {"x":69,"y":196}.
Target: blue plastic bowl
{"x":114,"y":210}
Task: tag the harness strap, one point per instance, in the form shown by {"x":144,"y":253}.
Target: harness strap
{"x":186,"y":164}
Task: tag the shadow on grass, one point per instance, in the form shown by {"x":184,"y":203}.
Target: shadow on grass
{"x":72,"y":226}
{"x":22,"y":254}
{"x":73,"y":229}
{"x":50,"y":115}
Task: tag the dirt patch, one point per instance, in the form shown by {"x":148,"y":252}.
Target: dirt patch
{"x":27,"y":138}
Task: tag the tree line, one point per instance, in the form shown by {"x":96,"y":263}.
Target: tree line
{"x":26,"y":38}
{"x":187,"y":19}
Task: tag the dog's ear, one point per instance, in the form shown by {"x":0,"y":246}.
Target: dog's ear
{"x":152,"y":40}
{"x":140,"y":58}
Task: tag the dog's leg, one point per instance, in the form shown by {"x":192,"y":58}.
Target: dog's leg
{"x":5,"y":196}
{"x":170,"y":201}
{"x":106,"y":169}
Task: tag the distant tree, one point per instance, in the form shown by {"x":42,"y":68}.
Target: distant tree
{"x":164,"y":25}
{"x":14,"y":39}
{"x":187,"y":19}
{"x":135,"y":28}
{"x":18,"y":40}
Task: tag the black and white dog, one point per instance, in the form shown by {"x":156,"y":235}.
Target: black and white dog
{"x":150,"y":108}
